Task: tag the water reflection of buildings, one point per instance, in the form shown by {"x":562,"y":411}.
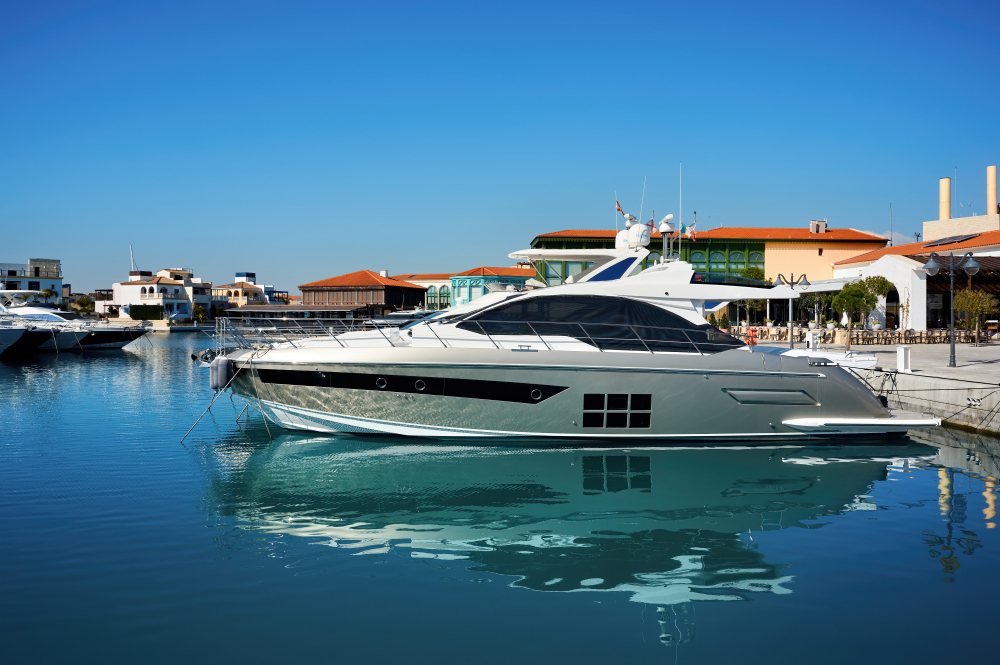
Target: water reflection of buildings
{"x":668,"y":527}
{"x":961,"y":454}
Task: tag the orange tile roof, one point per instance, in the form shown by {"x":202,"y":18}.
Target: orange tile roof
{"x":361,"y":278}
{"x":586,"y":233}
{"x":741,"y":232}
{"x":152,"y":280}
{"x":986,"y":239}
{"x":425,"y":276}
{"x":768,"y":233}
{"x":498,"y":272}
{"x":239,"y":285}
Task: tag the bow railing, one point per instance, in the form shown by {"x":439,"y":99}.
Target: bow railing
{"x":267,"y":333}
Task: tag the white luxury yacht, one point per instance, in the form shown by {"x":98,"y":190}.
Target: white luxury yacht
{"x":69,"y":330}
{"x":619,"y":353}
{"x":11,"y":331}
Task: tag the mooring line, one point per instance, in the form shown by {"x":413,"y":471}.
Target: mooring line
{"x":214,"y":397}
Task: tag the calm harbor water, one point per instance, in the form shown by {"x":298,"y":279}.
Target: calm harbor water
{"x":119,"y":543}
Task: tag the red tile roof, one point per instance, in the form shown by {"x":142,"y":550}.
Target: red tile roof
{"x":361,"y":278}
{"x":586,"y":233}
{"x":499,"y":272}
{"x":425,"y":276}
{"x":987,"y":239}
{"x":741,"y":232}
{"x":769,"y":233}
{"x":151,"y":280}
{"x":239,"y":285}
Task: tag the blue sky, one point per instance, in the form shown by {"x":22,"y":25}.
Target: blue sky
{"x":308,"y":139}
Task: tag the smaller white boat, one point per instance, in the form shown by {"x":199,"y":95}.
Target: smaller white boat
{"x":818,"y":356}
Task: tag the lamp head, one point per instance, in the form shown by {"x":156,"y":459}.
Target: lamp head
{"x":971,"y":266}
{"x":932,"y":266}
{"x":781,"y":281}
{"x":803,"y":281}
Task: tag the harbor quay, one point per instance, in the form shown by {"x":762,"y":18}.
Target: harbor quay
{"x":966,"y":396}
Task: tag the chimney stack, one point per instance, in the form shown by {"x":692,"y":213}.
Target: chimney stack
{"x":383,"y":273}
{"x":944,"y":199}
{"x":991,"y":190}
{"x":817,"y":226}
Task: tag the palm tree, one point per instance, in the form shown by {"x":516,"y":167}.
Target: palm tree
{"x":46,"y":294}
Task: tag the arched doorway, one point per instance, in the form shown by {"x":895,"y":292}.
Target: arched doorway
{"x":892,"y":320}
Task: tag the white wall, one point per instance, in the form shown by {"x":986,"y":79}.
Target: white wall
{"x":910,"y":281}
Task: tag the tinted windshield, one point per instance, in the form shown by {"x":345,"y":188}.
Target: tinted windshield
{"x":612,"y":323}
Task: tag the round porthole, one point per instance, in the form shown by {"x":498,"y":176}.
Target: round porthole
{"x":536,"y":394}
{"x":381,"y":383}
{"x":419,"y":385}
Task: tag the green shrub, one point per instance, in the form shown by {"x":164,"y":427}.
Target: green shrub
{"x":711,"y":319}
{"x":724,"y":320}
{"x":146,"y":312}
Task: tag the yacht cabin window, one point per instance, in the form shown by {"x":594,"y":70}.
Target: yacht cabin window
{"x":609,"y":323}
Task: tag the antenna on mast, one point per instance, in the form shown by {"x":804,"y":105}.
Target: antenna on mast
{"x":132,"y":259}
{"x":890,"y":225}
{"x":643,"y":200}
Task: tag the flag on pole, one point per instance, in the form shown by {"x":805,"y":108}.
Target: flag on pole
{"x":618,"y":205}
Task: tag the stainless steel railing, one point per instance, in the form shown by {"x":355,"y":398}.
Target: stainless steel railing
{"x":257,"y":333}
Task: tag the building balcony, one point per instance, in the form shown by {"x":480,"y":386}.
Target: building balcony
{"x":33,"y":274}
{"x":163,"y":296}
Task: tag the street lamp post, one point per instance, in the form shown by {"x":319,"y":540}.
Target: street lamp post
{"x":792,"y":283}
{"x":966,"y":263}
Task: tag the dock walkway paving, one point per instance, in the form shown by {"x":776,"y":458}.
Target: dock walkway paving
{"x":965,"y":396}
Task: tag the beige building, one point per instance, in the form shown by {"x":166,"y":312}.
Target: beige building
{"x":946,"y":226}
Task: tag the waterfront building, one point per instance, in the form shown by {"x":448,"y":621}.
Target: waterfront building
{"x":364,"y":287}
{"x":471,"y":284}
{"x":177,"y":290}
{"x":438,"y":285}
{"x":244,"y":290}
{"x":947,"y":225}
{"x":919,"y":301}
{"x":35,"y":275}
{"x":727,"y":250}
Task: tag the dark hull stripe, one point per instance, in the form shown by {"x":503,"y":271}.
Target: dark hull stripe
{"x":501,"y":391}
{"x":109,"y":339}
{"x":28,"y":342}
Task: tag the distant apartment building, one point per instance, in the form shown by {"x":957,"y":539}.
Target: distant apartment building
{"x":176,"y":289}
{"x":35,"y":275}
{"x":244,"y":290}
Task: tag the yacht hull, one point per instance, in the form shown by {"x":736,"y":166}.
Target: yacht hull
{"x":27,"y":343}
{"x":111,"y":339}
{"x":476,"y":393}
{"x":9,"y":335}
{"x":66,"y":340}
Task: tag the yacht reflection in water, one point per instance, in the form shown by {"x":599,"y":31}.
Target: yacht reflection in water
{"x":666,"y":526}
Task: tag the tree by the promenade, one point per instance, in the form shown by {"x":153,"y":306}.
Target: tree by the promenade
{"x":978,"y":304}
{"x":854,"y":298}
{"x":756,"y":304}
{"x":84,"y":304}
{"x":46,"y":294}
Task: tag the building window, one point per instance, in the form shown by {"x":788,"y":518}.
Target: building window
{"x":34,"y":286}
{"x":163,"y":290}
{"x":736,"y":262}
{"x":717,"y":262}
{"x":821,"y":251}
{"x":432,"y":297}
{"x":756,"y":260}
{"x":697,"y":260}
{"x":143,"y":290}
{"x":650,"y":260}
{"x":444,"y":297}
{"x":553,"y":277}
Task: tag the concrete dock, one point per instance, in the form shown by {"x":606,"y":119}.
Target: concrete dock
{"x":966,"y":396}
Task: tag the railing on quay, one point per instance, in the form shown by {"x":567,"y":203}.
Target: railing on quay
{"x":263,"y":333}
